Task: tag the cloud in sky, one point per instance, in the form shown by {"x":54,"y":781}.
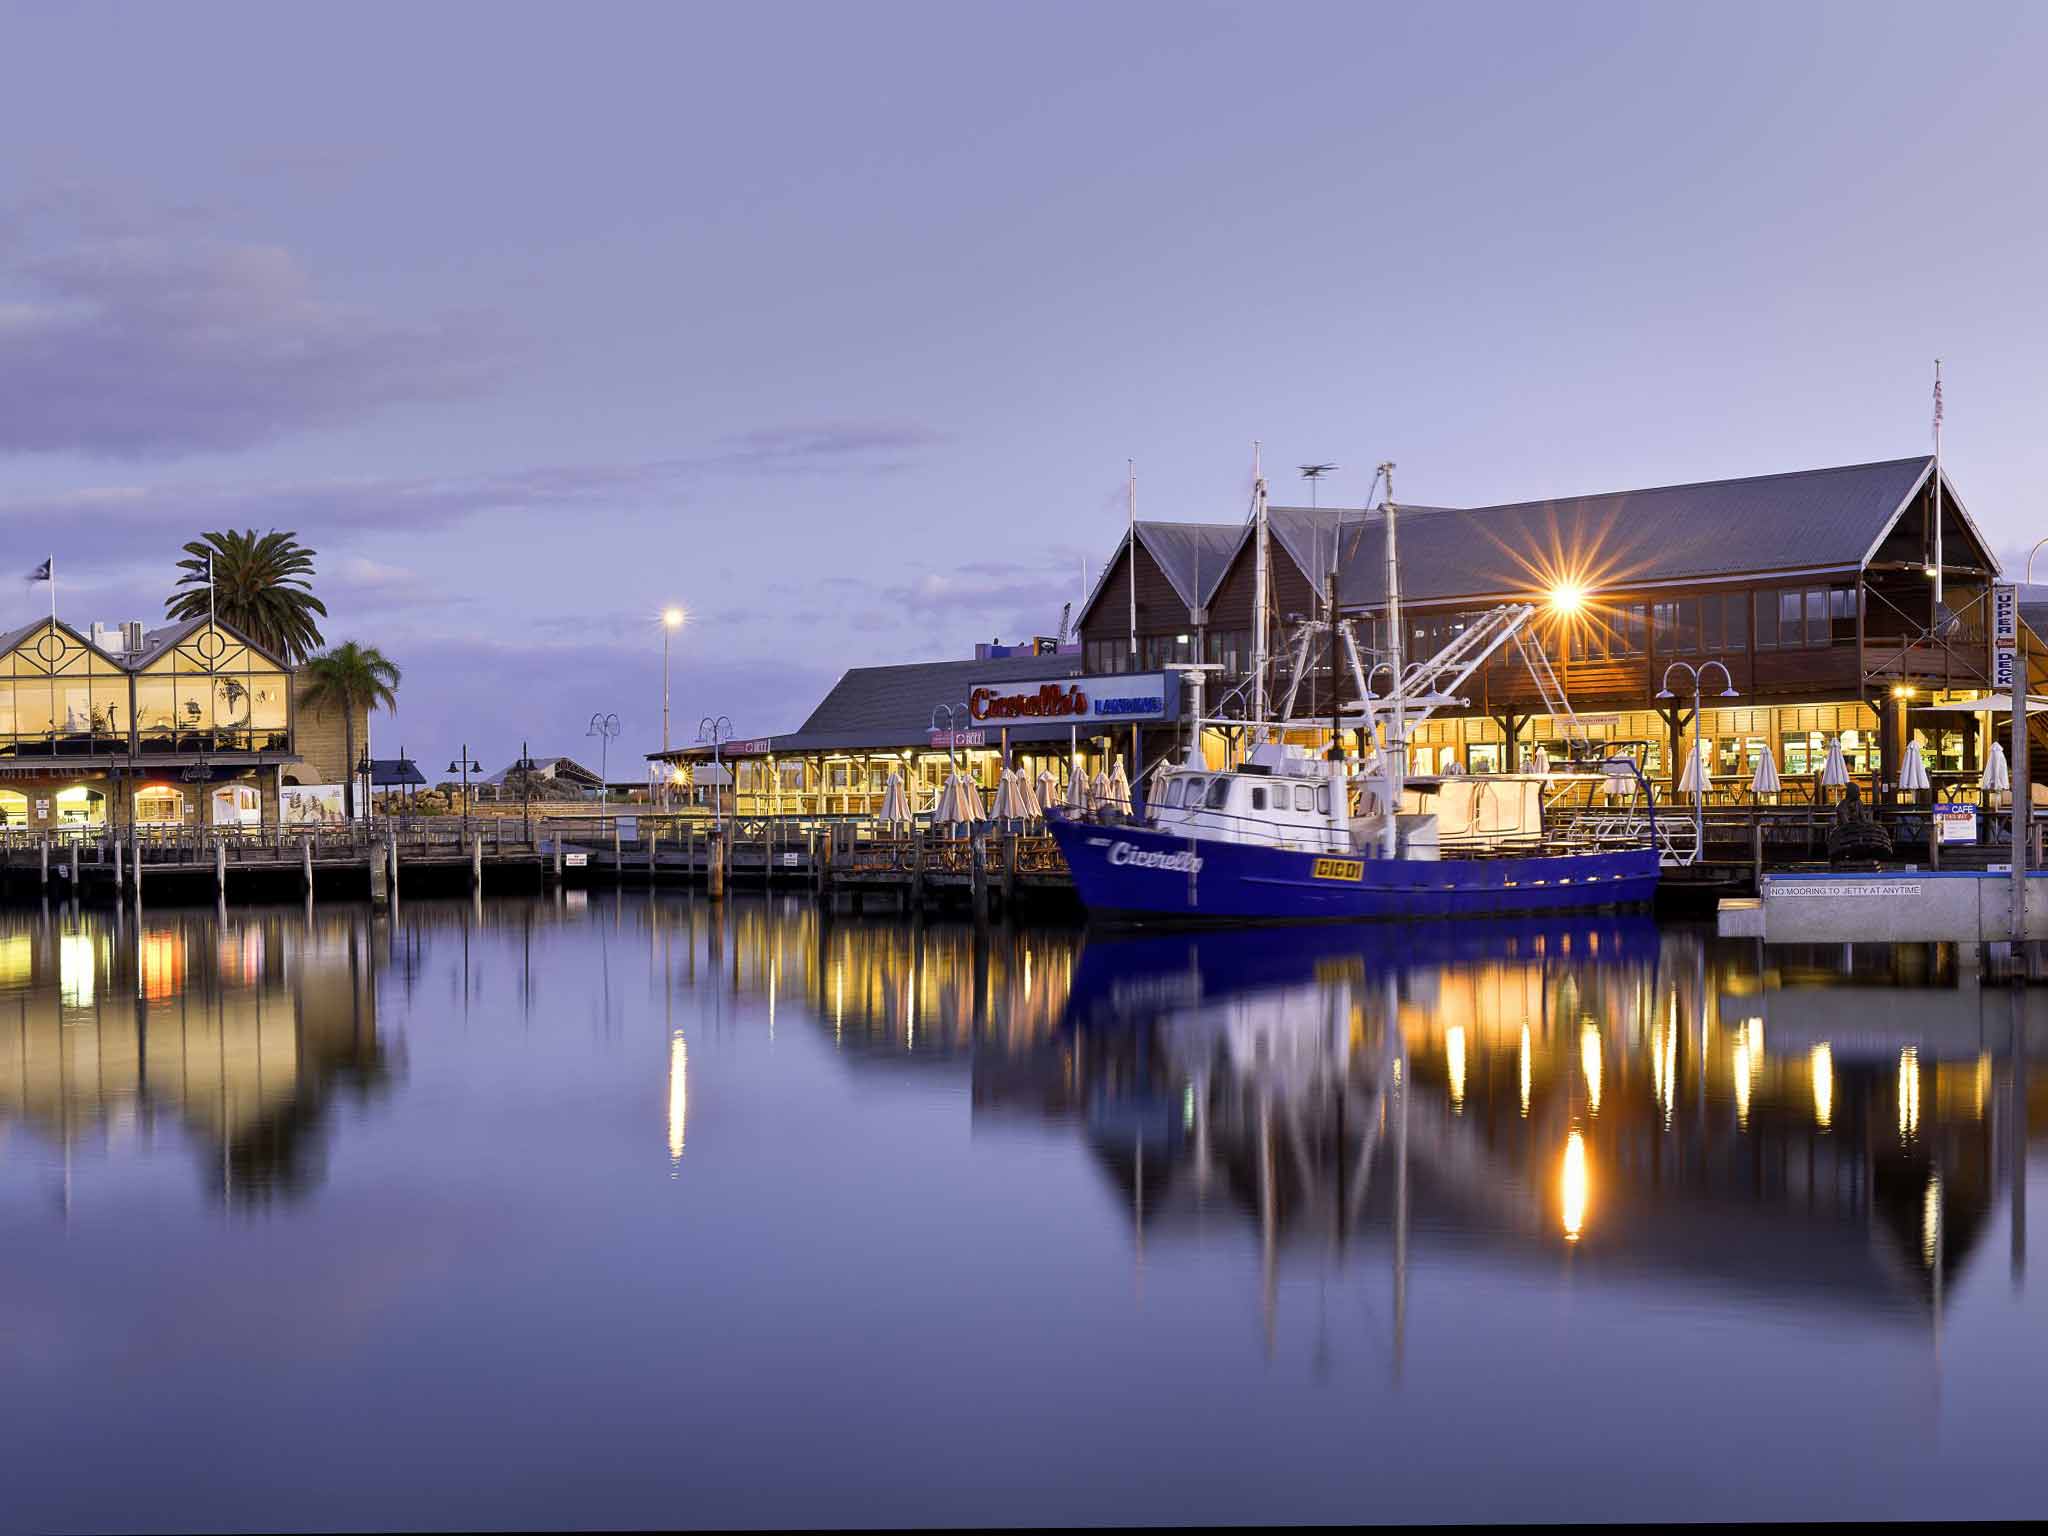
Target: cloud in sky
{"x":159,"y":342}
{"x":417,"y":503}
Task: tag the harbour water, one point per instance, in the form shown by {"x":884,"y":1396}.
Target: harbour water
{"x":603,"y":1210}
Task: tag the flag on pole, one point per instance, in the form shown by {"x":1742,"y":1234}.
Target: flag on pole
{"x":47,"y":571}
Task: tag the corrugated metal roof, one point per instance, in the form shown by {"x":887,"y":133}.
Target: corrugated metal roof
{"x":1192,"y":555}
{"x":1809,"y":519}
{"x":878,"y":707}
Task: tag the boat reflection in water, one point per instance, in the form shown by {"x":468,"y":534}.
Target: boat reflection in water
{"x":1596,"y":1092}
{"x":233,"y":1033}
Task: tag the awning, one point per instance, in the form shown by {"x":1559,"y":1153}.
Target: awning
{"x":1990,"y":704}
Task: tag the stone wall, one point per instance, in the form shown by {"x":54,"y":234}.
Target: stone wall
{"x":321,"y":740}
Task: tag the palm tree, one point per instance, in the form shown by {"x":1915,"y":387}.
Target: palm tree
{"x":349,"y":678}
{"x":262,"y":586}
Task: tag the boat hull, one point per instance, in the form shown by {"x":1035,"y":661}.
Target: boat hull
{"x":1139,"y":875}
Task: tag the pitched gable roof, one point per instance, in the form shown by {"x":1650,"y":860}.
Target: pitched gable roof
{"x":1192,"y":557}
{"x":1816,"y":519}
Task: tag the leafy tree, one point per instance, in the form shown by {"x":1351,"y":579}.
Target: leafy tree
{"x":262,"y":586}
{"x":349,"y":678}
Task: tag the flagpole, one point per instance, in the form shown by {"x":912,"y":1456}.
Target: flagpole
{"x":1131,"y":538}
{"x":1937,"y":491}
{"x":53,"y":592}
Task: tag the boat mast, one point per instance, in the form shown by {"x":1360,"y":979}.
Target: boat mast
{"x":1261,"y":597}
{"x":1394,"y":755}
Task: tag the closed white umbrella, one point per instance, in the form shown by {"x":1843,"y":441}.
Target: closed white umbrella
{"x":1007,"y":806}
{"x":970,"y":795}
{"x":1765,"y":780}
{"x":1098,"y":790}
{"x":895,"y":803}
{"x":1620,"y":780}
{"x":1119,"y":789}
{"x":1541,"y":762}
{"x":1079,"y":796}
{"x":1048,"y":791}
{"x":1997,"y":777}
{"x":1913,"y":770}
{"x":1834,"y":773}
{"x":1155,"y":784}
{"x":1697,"y":773}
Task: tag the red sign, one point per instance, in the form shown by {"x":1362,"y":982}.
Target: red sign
{"x":1049,"y":701}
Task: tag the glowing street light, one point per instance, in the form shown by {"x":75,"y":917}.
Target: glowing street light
{"x":672,"y":619}
{"x":1567,"y":598}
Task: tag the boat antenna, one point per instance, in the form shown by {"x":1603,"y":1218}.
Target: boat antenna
{"x":1397,"y":742}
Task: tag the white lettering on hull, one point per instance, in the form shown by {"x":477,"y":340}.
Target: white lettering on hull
{"x":1183,"y":863}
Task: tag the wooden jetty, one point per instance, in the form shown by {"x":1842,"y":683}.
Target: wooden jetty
{"x":375,"y":859}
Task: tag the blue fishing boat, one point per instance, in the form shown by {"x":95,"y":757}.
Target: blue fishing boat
{"x":1288,"y":835}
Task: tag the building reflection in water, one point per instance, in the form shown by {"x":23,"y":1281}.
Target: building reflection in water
{"x":1812,"y":1124}
{"x":238,"y":1033}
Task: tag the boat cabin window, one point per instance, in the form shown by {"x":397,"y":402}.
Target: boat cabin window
{"x":1175,"y":788}
{"x":1304,"y":797}
{"x":1259,"y":798}
{"x":1323,"y":798}
{"x":1219,"y":792}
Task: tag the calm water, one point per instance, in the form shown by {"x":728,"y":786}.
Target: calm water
{"x":619,"y":1212}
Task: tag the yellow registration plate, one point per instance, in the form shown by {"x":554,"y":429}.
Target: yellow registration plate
{"x":1339,"y":869}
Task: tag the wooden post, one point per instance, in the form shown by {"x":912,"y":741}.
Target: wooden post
{"x":135,"y":860}
{"x":476,"y":862}
{"x":653,"y":838}
{"x":1009,"y":871}
{"x":558,"y":856}
{"x":977,"y":857}
{"x":220,"y":867}
{"x":917,"y":869}
{"x":117,"y":867}
{"x":306,"y":864}
{"x":380,"y":876}
{"x":46,"y":861}
{"x":393,"y":886}
{"x":714,"y":867}
{"x":618,"y":867}
{"x":1756,"y":849}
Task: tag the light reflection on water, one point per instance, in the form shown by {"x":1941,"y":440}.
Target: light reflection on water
{"x":629,"y":1210}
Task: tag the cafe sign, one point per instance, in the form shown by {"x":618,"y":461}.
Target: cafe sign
{"x":1118,"y":699}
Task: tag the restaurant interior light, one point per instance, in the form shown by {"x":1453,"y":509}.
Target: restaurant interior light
{"x":1567,"y":598}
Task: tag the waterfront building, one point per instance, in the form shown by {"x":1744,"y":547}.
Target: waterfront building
{"x":1816,"y":589}
{"x":186,"y":726}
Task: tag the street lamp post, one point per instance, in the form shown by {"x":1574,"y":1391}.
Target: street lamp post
{"x":1699,"y":801}
{"x":671,"y":621}
{"x":606,"y":728}
{"x":716,"y":730}
{"x":465,"y":766}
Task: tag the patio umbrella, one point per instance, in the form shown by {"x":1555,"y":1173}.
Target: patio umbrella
{"x":1620,"y":780}
{"x":1997,"y":778}
{"x":1155,"y":783}
{"x":895,"y":803}
{"x":1006,"y":807}
{"x":1697,"y":774}
{"x":1834,"y":773}
{"x":1913,"y":770}
{"x":1765,"y":781}
{"x":1079,"y":796}
{"x":1048,"y":791}
{"x":1027,"y":798}
{"x":1541,"y":762}
{"x":1119,"y":797}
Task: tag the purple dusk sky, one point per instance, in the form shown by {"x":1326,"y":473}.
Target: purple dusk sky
{"x":836,"y":323}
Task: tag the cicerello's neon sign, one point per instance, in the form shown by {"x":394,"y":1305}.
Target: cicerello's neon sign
{"x":1123,"y":698}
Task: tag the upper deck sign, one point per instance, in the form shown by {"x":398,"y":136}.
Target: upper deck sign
{"x":2005,"y":634}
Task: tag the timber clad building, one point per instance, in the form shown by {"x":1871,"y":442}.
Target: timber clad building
{"x":1814,"y":589}
{"x":189,"y":725}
